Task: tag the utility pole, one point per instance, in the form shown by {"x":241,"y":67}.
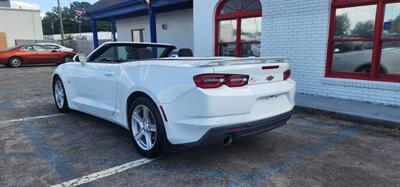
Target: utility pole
{"x":61,"y":22}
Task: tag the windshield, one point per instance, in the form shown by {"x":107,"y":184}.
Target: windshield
{"x":130,"y":52}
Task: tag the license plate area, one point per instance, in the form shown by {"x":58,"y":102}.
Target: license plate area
{"x":271,"y":105}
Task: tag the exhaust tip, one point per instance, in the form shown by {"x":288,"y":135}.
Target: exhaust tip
{"x":227,"y":140}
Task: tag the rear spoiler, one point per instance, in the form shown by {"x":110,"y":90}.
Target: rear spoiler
{"x":249,"y":60}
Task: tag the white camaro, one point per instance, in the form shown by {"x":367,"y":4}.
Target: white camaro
{"x":169,"y":101}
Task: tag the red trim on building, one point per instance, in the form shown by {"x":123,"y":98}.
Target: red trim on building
{"x":377,"y":39}
{"x":237,"y":15}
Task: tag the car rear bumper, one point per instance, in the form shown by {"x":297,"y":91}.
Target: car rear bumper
{"x":216,"y":135}
{"x":193,"y":115}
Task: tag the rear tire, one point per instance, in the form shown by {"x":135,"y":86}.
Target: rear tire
{"x":15,"y":62}
{"x":147,"y":133}
{"x":60,"y":98}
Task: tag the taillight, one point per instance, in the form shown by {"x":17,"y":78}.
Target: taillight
{"x":208,"y":81}
{"x":286,"y":74}
{"x":237,"y":80}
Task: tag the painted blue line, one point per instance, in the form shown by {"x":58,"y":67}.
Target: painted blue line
{"x":56,"y":162}
{"x":253,"y":178}
{"x":309,"y":150}
{"x":18,"y":155}
{"x":7,"y":106}
{"x":69,"y":160}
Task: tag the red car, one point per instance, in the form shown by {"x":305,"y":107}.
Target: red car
{"x":33,"y":54}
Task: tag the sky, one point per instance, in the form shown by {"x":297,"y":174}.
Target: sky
{"x":46,"y":5}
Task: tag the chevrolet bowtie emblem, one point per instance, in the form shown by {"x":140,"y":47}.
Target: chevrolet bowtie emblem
{"x":270,"y":78}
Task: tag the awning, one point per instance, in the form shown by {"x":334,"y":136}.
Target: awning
{"x":106,"y":9}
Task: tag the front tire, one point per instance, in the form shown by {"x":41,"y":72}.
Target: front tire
{"x":60,"y":98}
{"x":67,"y":59}
{"x":146,"y":128}
{"x":15,"y":62}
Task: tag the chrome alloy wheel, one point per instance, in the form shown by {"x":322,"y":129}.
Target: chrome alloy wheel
{"x":15,"y":62}
{"x":67,"y":59}
{"x":59,"y":94}
{"x":144,"y":129}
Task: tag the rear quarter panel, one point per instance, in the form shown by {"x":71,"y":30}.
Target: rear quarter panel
{"x":162,"y":82}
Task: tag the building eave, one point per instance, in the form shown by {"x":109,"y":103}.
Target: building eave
{"x":138,"y":8}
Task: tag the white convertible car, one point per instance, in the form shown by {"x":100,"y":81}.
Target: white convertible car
{"x":167,"y":101}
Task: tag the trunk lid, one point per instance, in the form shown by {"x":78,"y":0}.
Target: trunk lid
{"x":260,"y":70}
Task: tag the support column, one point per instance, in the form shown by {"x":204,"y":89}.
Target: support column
{"x":114,"y":29}
{"x":95,"y":35}
{"x":153,"y":24}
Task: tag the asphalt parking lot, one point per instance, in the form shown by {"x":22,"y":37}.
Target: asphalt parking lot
{"x":40,"y":147}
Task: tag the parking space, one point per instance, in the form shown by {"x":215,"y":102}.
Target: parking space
{"x":40,"y":147}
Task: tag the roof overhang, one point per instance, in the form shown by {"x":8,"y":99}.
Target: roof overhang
{"x":134,"y":8}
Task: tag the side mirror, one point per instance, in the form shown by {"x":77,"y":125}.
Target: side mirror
{"x":80,"y":58}
{"x":54,"y":51}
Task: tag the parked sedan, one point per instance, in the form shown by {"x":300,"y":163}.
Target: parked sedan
{"x":164,"y":101}
{"x":33,"y":54}
{"x":359,"y":60}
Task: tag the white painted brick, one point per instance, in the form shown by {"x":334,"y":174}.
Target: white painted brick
{"x":299,"y":30}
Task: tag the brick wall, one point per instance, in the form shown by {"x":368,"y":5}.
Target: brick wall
{"x":297,"y":29}
{"x":203,"y":26}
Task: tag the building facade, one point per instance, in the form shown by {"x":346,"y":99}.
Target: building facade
{"x":5,"y":3}
{"x":303,"y":32}
{"x":169,"y":26}
{"x":19,"y":24}
{"x":347,"y":49}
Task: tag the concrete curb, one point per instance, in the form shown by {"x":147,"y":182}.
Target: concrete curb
{"x":350,"y":117}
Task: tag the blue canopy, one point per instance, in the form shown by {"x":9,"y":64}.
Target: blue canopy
{"x":107,"y":9}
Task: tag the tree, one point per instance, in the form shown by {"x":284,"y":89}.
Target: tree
{"x":51,"y":21}
{"x":395,"y":25}
{"x":363,"y":29}
{"x":342,"y":25}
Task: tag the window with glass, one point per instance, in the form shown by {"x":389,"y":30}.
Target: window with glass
{"x":27,"y":48}
{"x":238,"y":28}
{"x":40,"y":48}
{"x":364,"y":41}
{"x":53,"y":46}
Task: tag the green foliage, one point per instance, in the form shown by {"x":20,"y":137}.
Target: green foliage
{"x":68,"y":37}
{"x":51,"y":22}
{"x":364,"y":29}
{"x":395,"y":25}
{"x":342,"y":25}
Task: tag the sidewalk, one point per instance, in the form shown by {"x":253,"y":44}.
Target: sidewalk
{"x":368,"y":113}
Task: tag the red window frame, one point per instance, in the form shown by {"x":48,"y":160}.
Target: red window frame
{"x":377,"y":41}
{"x":237,"y":15}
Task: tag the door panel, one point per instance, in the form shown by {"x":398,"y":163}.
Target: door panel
{"x":28,"y":57}
{"x":95,"y":86}
{"x":44,"y":55}
{"x":27,"y":54}
{"x":138,"y":35}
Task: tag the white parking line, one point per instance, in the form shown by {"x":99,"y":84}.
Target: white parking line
{"x":105,"y":173}
{"x":31,"y":118}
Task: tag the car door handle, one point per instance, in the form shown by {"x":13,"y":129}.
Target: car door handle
{"x":109,"y":74}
